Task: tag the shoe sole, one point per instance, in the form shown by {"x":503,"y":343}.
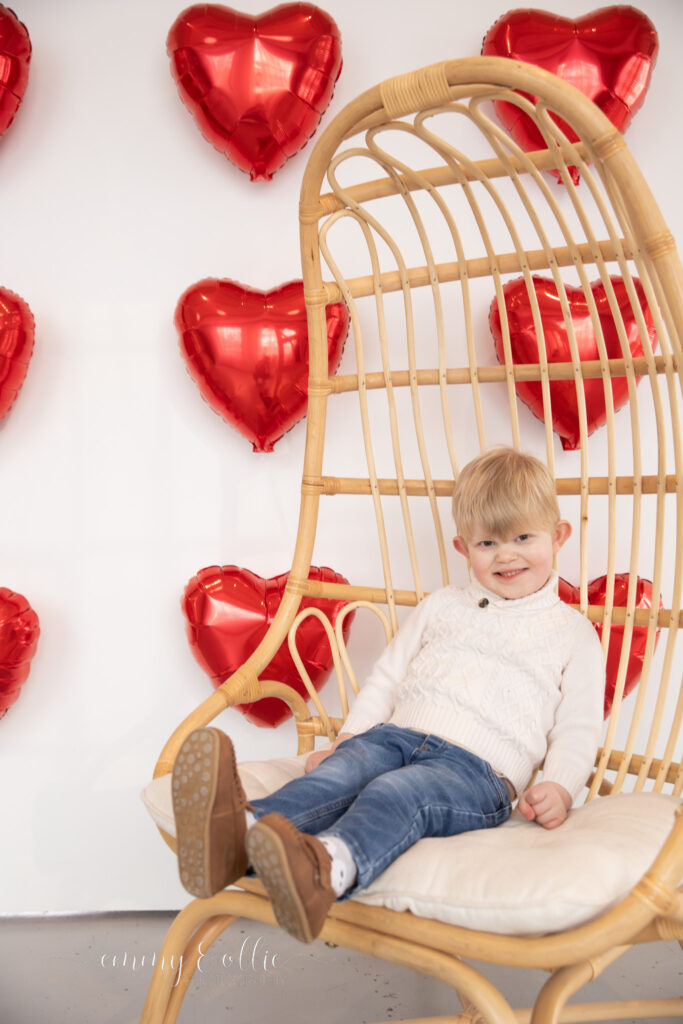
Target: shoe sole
{"x":195,"y":782}
{"x":268,"y":857}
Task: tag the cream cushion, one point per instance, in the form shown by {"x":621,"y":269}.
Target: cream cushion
{"x":517,"y":879}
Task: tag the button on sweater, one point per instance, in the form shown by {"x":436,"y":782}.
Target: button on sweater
{"x":517,"y":682}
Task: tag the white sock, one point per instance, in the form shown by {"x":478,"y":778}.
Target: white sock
{"x":343,"y":871}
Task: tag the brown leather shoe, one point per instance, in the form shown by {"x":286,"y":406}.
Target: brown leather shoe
{"x":295,"y":870}
{"x":209,"y":807}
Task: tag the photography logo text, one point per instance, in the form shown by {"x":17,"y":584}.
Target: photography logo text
{"x":252,"y":963}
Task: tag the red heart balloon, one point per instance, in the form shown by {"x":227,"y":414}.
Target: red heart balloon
{"x":228,"y":611}
{"x":524,"y":347}
{"x":17,"y":332}
{"x":608,"y":54}
{"x":597,"y":589}
{"x":248,"y":352}
{"x":19,"y":632}
{"x":257,"y":87}
{"x":15,"y":55}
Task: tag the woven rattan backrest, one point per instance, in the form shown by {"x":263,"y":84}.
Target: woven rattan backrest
{"x":417,"y":209}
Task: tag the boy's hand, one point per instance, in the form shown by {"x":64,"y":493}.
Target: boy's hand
{"x":547,"y":803}
{"x":314,"y":759}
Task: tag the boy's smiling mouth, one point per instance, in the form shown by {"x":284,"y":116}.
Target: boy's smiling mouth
{"x":508,"y":574}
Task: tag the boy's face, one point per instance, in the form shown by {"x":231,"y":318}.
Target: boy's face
{"x":516,"y":566}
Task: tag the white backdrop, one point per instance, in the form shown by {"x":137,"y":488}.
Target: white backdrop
{"x":117,"y":481}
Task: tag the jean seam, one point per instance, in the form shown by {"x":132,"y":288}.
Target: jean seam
{"x":365,"y":865}
{"x":301,"y":821}
{"x":332,"y":808}
{"x":499,"y":785}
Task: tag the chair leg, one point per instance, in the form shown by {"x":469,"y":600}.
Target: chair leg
{"x":470,"y":1014}
{"x":565,"y":982}
{"x":201,"y":941}
{"x":557,"y":990}
{"x":187,"y":940}
{"x":472,"y":987}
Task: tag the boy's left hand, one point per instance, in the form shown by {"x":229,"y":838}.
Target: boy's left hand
{"x":318,"y":756}
{"x":547,"y":803}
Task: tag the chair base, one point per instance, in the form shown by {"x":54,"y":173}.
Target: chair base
{"x":203,"y":921}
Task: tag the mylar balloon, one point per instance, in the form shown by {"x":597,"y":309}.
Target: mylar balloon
{"x":15,"y":55}
{"x":257,"y":86}
{"x":17,"y":332}
{"x":608,"y":54}
{"x":248,"y":352}
{"x":524,"y":347}
{"x":228,"y":611}
{"x":597,"y":590}
{"x":19,"y":632}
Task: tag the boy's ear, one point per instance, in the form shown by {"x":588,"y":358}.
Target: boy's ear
{"x":563,"y":532}
{"x":460,"y":546}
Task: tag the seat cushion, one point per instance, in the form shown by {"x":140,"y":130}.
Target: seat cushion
{"x":517,"y":879}
{"x":259,"y":778}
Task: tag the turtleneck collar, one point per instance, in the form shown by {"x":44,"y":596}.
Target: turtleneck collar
{"x":543,"y":598}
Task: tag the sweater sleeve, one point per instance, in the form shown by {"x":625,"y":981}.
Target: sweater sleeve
{"x":574,"y":739}
{"x":375,"y":702}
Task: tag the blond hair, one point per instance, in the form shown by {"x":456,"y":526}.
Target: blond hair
{"x":503,"y":491}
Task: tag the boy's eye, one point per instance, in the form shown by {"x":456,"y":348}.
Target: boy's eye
{"x":524,"y":536}
{"x":486,"y":543}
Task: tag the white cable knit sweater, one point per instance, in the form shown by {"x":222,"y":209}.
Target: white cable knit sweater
{"x":513,"y":681}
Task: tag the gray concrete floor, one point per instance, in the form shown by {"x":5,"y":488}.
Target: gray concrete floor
{"x":95,"y":970}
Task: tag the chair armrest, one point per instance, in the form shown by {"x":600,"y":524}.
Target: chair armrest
{"x":659,"y":887}
{"x":240,"y":687}
{"x":243,"y":685}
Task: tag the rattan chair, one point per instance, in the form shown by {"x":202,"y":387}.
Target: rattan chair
{"x":428,"y":209}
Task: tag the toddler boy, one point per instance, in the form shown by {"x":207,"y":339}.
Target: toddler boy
{"x":479,"y":686}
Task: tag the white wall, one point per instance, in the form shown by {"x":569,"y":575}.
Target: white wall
{"x":117,"y":481}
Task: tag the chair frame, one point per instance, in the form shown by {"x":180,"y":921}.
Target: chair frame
{"x":653,"y":910}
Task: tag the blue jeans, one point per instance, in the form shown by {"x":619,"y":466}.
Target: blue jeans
{"x":384,"y":789}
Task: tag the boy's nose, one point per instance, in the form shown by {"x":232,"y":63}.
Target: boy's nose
{"x":506,"y":555}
